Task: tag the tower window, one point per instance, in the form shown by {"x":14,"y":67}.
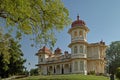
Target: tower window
{"x":81,"y":65}
{"x":75,"y":49}
{"x":80,"y":33}
{"x":41,"y":60}
{"x":81,"y":49}
{"x":40,"y":56}
{"x":76,"y":66}
{"x":75,"y":33}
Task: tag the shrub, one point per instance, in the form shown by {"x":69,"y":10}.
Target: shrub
{"x":118,"y":73}
{"x":92,"y":72}
{"x":34,"y":71}
{"x":101,"y":74}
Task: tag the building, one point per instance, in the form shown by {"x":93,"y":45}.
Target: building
{"x":84,"y":57}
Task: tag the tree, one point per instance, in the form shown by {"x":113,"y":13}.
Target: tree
{"x":4,"y":54}
{"x":11,"y":56}
{"x":118,"y":73}
{"x":16,"y":59}
{"x":34,"y":71}
{"x":113,"y":56}
{"x":41,"y":18}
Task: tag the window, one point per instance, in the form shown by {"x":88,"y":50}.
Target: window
{"x":81,"y":49}
{"x":41,"y":60}
{"x":76,"y":66}
{"x":39,"y":55}
{"x":75,"y":49}
{"x":81,"y":66}
{"x":75,"y":33}
{"x":80,"y":33}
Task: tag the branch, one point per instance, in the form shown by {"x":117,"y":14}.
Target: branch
{"x":4,"y":15}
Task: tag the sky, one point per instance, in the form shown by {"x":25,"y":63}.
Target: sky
{"x":102,"y":17}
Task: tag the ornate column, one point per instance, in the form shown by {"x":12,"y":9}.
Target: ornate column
{"x":60,"y":68}
{"x":45,"y":70}
{"x":85,"y":67}
{"x":72,"y":65}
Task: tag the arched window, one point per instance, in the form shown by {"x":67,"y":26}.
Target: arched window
{"x":76,"y":66}
{"x":75,"y":49}
{"x":81,"y":49}
{"x":81,"y":66}
{"x":80,"y":33}
{"x":39,"y":55}
{"x":41,"y":60}
{"x":75,"y":33}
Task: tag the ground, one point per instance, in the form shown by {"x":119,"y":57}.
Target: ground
{"x":66,"y":77}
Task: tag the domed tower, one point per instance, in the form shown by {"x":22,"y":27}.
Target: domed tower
{"x":78,"y":32}
{"x":78,"y":45}
{"x":43,"y":54}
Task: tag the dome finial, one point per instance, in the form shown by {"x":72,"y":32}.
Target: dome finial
{"x":78,"y":17}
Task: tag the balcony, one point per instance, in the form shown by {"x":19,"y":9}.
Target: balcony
{"x":79,"y":55}
{"x":59,"y":59}
{"x":77,"y":39}
{"x":41,"y":62}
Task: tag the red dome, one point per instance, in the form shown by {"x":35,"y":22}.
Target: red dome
{"x":78,"y":22}
{"x":58,"y":51}
{"x":44,"y":50}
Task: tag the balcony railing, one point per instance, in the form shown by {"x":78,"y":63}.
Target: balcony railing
{"x":78,"y":38}
{"x":41,"y":62}
{"x":96,"y":57}
{"x":58,"y":59}
{"x":79,"y":55}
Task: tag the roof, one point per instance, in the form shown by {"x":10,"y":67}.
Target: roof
{"x":44,"y":50}
{"x":78,"y":22}
{"x":58,"y":51}
{"x":101,"y":43}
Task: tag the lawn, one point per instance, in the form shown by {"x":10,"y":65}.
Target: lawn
{"x":66,"y":77}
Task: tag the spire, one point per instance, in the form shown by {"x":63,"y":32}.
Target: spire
{"x":78,"y":17}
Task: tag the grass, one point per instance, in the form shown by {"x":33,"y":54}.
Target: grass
{"x":65,"y":77}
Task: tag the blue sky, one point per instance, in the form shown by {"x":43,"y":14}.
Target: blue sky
{"x":102,"y":17}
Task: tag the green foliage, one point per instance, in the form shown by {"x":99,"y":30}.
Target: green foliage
{"x":16,"y":59}
{"x":41,"y":18}
{"x":91,"y":73}
{"x":11,"y":56}
{"x":4,"y":48}
{"x":34,"y":71}
{"x":118,"y":73}
{"x":113,"y":56}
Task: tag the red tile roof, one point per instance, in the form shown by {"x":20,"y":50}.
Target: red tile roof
{"x":44,"y":50}
{"x":78,"y":22}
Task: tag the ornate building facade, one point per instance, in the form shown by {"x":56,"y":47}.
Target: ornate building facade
{"x":84,"y":57}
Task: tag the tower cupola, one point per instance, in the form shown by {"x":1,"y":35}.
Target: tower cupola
{"x":78,"y":22}
{"x":78,"y":31}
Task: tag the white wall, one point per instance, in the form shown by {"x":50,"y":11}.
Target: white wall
{"x":93,"y":52}
{"x":78,"y":50}
{"x":78,"y":35}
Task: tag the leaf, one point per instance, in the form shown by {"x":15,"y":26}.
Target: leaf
{"x":35,"y":17}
